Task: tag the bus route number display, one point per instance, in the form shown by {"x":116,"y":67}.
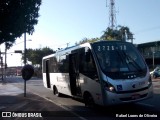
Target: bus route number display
{"x":111,"y":47}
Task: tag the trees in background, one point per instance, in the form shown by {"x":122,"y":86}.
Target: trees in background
{"x":90,"y":40}
{"x":121,"y":33}
{"x":35,"y":55}
{"x":17,"y":17}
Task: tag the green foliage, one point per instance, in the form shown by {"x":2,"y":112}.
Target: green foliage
{"x":17,"y":17}
{"x":87,"y":40}
{"x":36,"y":55}
{"x":121,"y":33}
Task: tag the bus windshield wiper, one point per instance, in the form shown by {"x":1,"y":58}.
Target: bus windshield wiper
{"x":134,"y":63}
{"x":121,"y":57}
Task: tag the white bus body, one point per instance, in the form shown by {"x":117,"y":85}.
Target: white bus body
{"x":104,"y":72}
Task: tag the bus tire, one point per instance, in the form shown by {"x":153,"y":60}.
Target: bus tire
{"x":55,"y":91}
{"x":88,"y":100}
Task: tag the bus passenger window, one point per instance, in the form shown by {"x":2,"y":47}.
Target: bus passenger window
{"x":53,"y":65}
{"x":63,"y":64}
{"x":88,"y":68}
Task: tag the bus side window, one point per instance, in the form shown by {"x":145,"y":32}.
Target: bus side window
{"x":63,"y":64}
{"x":53,"y":65}
{"x":44,"y":66}
{"x":88,"y":67}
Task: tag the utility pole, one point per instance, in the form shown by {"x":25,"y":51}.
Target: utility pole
{"x":5,"y":62}
{"x":24,"y":49}
{"x":1,"y":64}
{"x":24,"y":62}
{"x":2,"y":68}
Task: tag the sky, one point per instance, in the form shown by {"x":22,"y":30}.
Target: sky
{"x":69,"y":21}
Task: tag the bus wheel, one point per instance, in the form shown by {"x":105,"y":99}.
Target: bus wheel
{"x":55,"y":91}
{"x":88,"y":100}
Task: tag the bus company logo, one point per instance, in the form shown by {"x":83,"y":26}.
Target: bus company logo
{"x":22,"y":115}
{"x":6,"y":114}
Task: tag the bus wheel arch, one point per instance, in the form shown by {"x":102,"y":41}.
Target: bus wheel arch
{"x":88,"y":99}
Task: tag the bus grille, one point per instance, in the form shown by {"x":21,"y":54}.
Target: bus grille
{"x":131,"y":91}
{"x":131,"y":98}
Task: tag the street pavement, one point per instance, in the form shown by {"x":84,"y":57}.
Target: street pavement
{"x":156,"y":84}
{"x":14,"y":106}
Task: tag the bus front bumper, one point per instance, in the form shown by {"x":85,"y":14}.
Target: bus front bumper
{"x":114,"y":98}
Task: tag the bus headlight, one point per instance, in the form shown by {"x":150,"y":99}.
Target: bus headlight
{"x":109,"y":87}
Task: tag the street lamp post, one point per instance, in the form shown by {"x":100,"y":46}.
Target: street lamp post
{"x":5,"y":63}
{"x":24,"y":48}
{"x":1,"y":63}
{"x":24,"y":62}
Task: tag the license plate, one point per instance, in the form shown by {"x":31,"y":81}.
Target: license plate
{"x":135,"y":96}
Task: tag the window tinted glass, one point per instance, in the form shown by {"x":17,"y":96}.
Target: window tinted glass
{"x":88,"y":68}
{"x":118,"y":57}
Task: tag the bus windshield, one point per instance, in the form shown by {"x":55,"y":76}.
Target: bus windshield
{"x":119,"y":60}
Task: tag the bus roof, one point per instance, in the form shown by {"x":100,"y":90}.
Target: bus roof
{"x":78,"y":46}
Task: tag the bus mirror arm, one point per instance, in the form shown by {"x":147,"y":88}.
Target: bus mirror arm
{"x":87,"y":56}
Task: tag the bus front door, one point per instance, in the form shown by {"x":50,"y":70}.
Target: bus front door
{"x":74,"y":74}
{"x":48,"y":74}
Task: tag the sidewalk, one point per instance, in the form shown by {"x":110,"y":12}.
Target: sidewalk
{"x":13,"y":104}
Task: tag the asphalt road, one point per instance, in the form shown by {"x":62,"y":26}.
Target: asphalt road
{"x":146,"y":109}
